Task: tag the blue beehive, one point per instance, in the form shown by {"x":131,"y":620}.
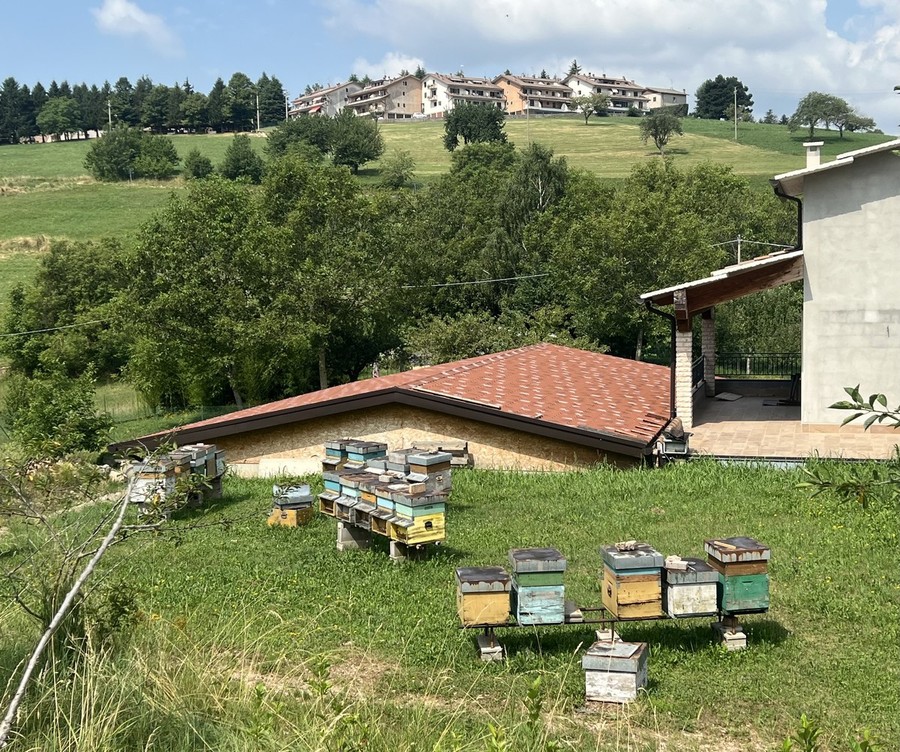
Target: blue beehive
{"x":537,"y":595}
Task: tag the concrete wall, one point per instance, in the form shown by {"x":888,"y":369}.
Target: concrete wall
{"x":851,"y":309}
{"x":297,"y":448}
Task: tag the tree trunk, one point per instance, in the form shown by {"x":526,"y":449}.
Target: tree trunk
{"x":639,"y":345}
{"x":323,"y":370}
{"x":237,"y":397}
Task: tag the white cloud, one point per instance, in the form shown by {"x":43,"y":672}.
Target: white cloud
{"x":390,"y":65}
{"x":126,"y":19}
{"x":781,"y":49}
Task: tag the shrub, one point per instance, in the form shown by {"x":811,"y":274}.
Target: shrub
{"x":52,"y":415}
{"x":241,"y":161}
{"x":397,"y":169}
{"x":197,"y":166}
{"x":158,"y":158}
{"x":124,"y":153}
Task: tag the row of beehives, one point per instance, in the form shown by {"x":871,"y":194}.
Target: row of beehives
{"x":155,"y":480}
{"x":401,"y":494}
{"x":638,"y":583}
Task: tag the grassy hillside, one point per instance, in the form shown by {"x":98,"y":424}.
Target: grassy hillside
{"x":254,"y":638}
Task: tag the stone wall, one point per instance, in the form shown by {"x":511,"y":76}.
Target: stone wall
{"x":297,"y":448}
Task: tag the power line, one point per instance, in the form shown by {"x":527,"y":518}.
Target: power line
{"x":478,"y":281}
{"x":54,"y":328}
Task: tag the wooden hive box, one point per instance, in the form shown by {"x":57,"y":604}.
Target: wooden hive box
{"x":363,"y":451}
{"x":632,"y":581}
{"x":430,"y":463}
{"x":331,"y":481}
{"x":343,"y":507}
{"x":326,"y":502}
{"x":692,"y":591}
{"x":380,"y":521}
{"x":538,"y":595}
{"x":742,"y":567}
{"x":614,"y":671}
{"x":482,"y":596}
{"x":290,"y":517}
{"x":361,"y":515}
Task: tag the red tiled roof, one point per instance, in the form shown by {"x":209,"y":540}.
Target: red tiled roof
{"x":556,"y":386}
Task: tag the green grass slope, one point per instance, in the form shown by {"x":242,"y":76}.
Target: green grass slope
{"x":281,"y":610}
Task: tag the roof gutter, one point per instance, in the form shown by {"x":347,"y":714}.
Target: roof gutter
{"x":779,"y":191}
{"x":671,"y":318}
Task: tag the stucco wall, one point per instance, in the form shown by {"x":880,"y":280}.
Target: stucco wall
{"x":297,"y":448}
{"x":851,"y":309}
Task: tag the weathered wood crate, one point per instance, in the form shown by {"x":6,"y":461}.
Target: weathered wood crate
{"x":692,"y":591}
{"x":290,"y":517}
{"x":482,"y":596}
{"x":742,"y":567}
{"x":632,"y":581}
{"x":614,"y":671}
{"x":363,"y":451}
{"x":326,"y":502}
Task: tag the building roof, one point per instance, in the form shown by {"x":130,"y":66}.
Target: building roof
{"x":587,"y":398}
{"x":791,"y":183}
{"x":730,"y":283}
{"x":660,"y":90}
{"x":454,"y":80}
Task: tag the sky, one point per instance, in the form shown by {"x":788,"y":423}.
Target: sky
{"x":781,"y":49}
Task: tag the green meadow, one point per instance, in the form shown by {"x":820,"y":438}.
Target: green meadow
{"x":246,"y":637}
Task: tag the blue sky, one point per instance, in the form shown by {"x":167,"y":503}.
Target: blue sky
{"x":780,"y":48}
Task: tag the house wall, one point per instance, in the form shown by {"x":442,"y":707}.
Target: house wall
{"x":297,"y":448}
{"x":851,"y":308}
{"x":405,"y":98}
{"x":659,"y":99}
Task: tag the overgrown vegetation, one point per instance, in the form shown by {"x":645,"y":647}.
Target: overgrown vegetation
{"x":125,"y":153}
{"x":285,"y":643}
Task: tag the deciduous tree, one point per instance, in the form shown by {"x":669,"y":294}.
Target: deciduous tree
{"x":473,"y":123}
{"x":591,"y":104}
{"x":660,"y":126}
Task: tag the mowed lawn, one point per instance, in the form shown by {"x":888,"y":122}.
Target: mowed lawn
{"x":250,"y":603}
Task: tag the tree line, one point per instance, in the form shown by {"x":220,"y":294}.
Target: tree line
{"x":242,"y":293}
{"x":65,"y":111}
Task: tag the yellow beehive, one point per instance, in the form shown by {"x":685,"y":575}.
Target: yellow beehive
{"x":482,"y":596}
{"x":290,"y":517}
{"x":635,"y":596}
{"x":428,"y":529}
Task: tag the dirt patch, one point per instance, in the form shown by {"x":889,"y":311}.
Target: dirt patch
{"x":35,"y":244}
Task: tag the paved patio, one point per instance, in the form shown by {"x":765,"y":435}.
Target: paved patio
{"x":749,"y":428}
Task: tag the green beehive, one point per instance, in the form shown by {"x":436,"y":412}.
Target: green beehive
{"x":742,"y":566}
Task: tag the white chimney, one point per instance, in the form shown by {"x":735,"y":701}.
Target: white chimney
{"x":813,"y":153}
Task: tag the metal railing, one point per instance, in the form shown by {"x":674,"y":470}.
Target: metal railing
{"x":758,"y":365}
{"x":697,"y":369}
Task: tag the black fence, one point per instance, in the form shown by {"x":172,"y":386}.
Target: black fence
{"x":758,"y":365}
{"x":697,"y":368}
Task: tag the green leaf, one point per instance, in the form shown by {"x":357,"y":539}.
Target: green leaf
{"x":851,"y":418}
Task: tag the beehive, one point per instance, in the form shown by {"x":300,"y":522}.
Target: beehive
{"x":741,"y":565}
{"x":326,"y":502}
{"x":614,"y":671}
{"x":482,"y":596}
{"x":692,"y":591}
{"x":363,"y":451}
{"x":538,"y":595}
{"x":632,"y":581}
{"x":290,"y":517}
{"x":292,"y":506}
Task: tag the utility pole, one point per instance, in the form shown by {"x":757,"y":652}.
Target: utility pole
{"x":286,"y":101}
{"x":109,"y":112}
{"x":739,"y":248}
{"x":735,"y":113}
{"x":258,"y":129}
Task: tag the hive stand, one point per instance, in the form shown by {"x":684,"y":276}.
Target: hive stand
{"x":400,"y":552}
{"x":352,"y":538}
{"x":730,"y":633}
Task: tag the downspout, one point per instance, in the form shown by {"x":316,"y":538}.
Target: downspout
{"x":779,"y":191}
{"x":671,"y":318}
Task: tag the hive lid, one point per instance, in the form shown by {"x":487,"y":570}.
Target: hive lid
{"x":627,"y":657}
{"x":738,"y":549}
{"x":537,"y":560}
{"x":366,"y":447}
{"x":382,"y":513}
{"x":346,"y":501}
{"x":328,"y":495}
{"x":399,"y":456}
{"x":337,"y":444}
{"x":697,"y":571}
{"x":429,"y":458}
{"x":640,"y":556}
{"x":402,"y":522}
{"x":482,"y":580}
{"x":365,"y":507}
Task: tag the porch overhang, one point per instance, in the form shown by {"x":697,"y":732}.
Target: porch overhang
{"x":730,"y":283}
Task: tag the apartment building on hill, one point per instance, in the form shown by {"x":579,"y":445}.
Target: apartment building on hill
{"x":441,"y":92}
{"x":329,"y":101}
{"x":391,"y":98}
{"x":623,"y":94}
{"x":534,"y":95}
